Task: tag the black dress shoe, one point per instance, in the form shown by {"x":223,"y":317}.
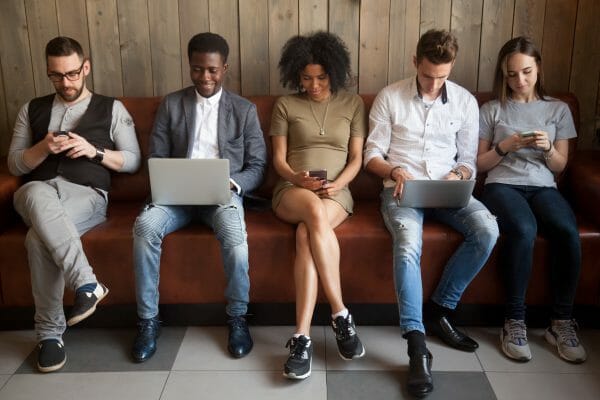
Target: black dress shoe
{"x":144,"y":345}
{"x":443,"y":329}
{"x":420,"y":382}
{"x":240,"y":342}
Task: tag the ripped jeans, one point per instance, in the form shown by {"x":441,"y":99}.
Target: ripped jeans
{"x":157,"y":221}
{"x":405,"y":224}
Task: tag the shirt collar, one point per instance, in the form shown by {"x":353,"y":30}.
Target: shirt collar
{"x":417,"y":92}
{"x":211,"y":101}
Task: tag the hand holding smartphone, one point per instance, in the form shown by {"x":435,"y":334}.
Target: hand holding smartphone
{"x":527,"y":134}
{"x":60,"y":133}
{"x":318,"y":173}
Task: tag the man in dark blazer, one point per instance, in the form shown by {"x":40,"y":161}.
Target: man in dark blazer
{"x":202,"y":121}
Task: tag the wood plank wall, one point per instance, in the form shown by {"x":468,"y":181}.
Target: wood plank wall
{"x":138,"y":47}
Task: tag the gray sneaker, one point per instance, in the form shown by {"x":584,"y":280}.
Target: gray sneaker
{"x":513,"y":337}
{"x":562,"y":334}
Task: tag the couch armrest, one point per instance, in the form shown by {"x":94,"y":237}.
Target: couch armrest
{"x":8,"y":186}
{"x":584,"y":184}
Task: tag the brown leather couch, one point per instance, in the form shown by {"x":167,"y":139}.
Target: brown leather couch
{"x":191,"y":270}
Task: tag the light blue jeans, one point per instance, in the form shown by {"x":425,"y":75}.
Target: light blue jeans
{"x":480,"y":231}
{"x":156,"y":221}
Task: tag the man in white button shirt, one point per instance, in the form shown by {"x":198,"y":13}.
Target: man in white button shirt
{"x":202,"y":121}
{"x":426,"y":127}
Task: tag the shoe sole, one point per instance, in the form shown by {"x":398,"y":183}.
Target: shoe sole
{"x":552,"y":340}
{"x":52,"y":367}
{"x":77,"y":319}
{"x":291,"y":375}
{"x":508,"y":354}
{"x":354,"y":356}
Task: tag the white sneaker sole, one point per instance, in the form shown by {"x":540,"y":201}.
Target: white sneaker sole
{"x":353,"y":357}
{"x":507,"y":353}
{"x":291,"y":375}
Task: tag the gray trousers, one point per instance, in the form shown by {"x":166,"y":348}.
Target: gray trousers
{"x":57,"y":213}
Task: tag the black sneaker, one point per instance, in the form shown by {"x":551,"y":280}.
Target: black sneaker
{"x":298,"y":365}
{"x":85,"y":304}
{"x":51,"y":355}
{"x":349,"y":345}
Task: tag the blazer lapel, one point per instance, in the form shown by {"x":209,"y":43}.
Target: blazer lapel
{"x":189,"y":109}
{"x":223,"y":121}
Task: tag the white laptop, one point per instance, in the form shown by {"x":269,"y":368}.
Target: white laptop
{"x":436,"y":193}
{"x":184,"y":181}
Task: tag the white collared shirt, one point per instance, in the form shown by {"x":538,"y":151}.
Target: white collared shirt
{"x":427,"y":140}
{"x":206,"y":141}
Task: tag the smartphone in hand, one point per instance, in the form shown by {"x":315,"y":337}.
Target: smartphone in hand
{"x":60,"y":133}
{"x":318,"y":173}
{"x":527,"y":134}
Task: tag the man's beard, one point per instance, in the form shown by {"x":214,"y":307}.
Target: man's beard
{"x":70,"y":98}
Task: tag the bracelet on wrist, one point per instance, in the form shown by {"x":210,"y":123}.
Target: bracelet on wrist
{"x":392,"y":172}
{"x":499,"y":150}
{"x":458,"y":173}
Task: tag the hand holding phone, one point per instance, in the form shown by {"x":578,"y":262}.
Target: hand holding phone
{"x":60,"y":133}
{"x":527,"y":134}
{"x":318,"y":173}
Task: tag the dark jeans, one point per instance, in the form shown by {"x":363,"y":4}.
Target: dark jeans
{"x":521,"y":212}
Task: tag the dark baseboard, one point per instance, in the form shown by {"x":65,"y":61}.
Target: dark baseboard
{"x":124,"y":316}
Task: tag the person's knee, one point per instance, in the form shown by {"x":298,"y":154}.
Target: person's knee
{"x":149,"y":225}
{"x":486,"y":229}
{"x":229,"y":226}
{"x":33,"y":241}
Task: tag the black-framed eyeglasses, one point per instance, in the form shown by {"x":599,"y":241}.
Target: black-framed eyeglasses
{"x":71,"y":75}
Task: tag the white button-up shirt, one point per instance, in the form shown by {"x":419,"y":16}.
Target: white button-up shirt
{"x":426,"y":139}
{"x":206,"y":141}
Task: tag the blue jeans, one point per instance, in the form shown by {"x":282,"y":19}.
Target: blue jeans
{"x":405,"y":224}
{"x":156,"y":221}
{"x":521,"y":212}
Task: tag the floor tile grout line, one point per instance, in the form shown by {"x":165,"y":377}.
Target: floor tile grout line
{"x":162,"y":392}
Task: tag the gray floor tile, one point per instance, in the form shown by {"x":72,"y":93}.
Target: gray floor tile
{"x":3,"y":380}
{"x":205,"y":349}
{"x":547,"y":386}
{"x":545,"y":356}
{"x":106,"y":350}
{"x":89,"y":386}
{"x":183,"y":385}
{"x":391,"y":385}
{"x":15,"y":346}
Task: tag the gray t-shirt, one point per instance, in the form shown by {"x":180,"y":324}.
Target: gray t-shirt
{"x":525,"y":166}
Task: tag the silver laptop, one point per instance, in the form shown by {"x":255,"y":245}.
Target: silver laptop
{"x":436,"y":193}
{"x":183,"y":181}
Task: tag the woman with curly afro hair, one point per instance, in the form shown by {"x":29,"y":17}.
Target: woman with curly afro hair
{"x":317,"y":136}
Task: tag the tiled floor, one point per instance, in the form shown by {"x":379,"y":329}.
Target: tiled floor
{"x":192,"y":363}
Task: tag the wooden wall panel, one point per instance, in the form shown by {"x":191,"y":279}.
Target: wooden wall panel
{"x":496,"y":29}
{"x":529,"y":19}
{"x":435,"y":14}
{"x":41,"y":20}
{"x":15,"y":56}
{"x":104,"y":45}
{"x":254,"y":54}
{"x":466,"y":25}
{"x":344,"y":22}
{"x":73,"y":22}
{"x":134,"y":37}
{"x":586,"y":68}
{"x":404,"y":35}
{"x":193,"y":19}
{"x":139,"y":47}
{"x":283,"y":24}
{"x":312,"y":16}
{"x":224,"y":21}
{"x":163,"y":15}
{"x":559,"y":29}
{"x":374,"y":36}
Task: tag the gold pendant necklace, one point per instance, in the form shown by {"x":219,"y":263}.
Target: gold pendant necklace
{"x":320,"y":125}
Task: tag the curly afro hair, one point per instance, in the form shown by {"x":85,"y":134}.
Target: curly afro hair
{"x":323,"y":48}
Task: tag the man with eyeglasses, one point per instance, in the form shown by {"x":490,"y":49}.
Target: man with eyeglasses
{"x":65,"y":145}
{"x":202,"y":121}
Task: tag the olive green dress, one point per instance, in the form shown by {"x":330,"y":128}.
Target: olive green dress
{"x":307,"y":148}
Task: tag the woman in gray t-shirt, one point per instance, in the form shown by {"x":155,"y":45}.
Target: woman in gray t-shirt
{"x":523,"y":142}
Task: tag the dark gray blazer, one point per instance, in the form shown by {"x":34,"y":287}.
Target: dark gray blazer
{"x":239,"y":134}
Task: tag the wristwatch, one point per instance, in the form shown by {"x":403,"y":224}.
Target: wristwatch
{"x":99,"y":155}
{"x":458,"y":173}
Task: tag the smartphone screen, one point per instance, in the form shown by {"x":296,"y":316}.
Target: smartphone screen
{"x":61,"y":133}
{"x":318,"y":173}
{"x":527,"y":134}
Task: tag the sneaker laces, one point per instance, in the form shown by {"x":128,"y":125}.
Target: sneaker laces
{"x":516,"y":331}
{"x":566,"y":331}
{"x":343,"y":328}
{"x":298,"y":347}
